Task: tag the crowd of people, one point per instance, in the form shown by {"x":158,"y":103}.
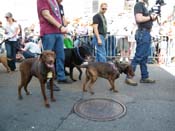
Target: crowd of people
{"x":54,"y":36}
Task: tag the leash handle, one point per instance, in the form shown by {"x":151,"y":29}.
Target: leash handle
{"x":4,"y":40}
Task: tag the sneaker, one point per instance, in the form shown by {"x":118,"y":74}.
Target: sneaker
{"x":130,"y":82}
{"x":66,"y":81}
{"x":126,"y":60}
{"x":121,"y":59}
{"x":55,"y":87}
{"x":147,"y":80}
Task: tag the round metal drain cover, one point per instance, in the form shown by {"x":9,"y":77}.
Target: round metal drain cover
{"x":99,"y":109}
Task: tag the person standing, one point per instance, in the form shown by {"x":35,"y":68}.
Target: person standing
{"x":52,"y":30}
{"x":123,"y":45}
{"x":100,"y":31}
{"x":144,"y":22}
{"x":11,"y":31}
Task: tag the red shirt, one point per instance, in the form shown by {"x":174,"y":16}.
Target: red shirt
{"x":45,"y":26}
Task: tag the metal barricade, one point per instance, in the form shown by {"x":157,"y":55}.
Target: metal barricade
{"x":111,"y":44}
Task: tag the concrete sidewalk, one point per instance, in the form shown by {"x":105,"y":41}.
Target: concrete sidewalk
{"x":149,"y":107}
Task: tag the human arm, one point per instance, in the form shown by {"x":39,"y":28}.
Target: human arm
{"x":16,"y":31}
{"x":25,"y":48}
{"x":96,"y":32}
{"x":46,"y":14}
{"x":140,"y":18}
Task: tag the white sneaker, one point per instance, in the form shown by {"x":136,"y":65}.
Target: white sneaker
{"x":126,"y":59}
{"x":121,"y":59}
{"x":85,"y":63}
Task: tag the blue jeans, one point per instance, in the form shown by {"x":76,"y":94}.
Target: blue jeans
{"x":28,"y":54}
{"x":55,"y":42}
{"x":143,"y":41}
{"x":76,"y":43}
{"x":100,"y":49}
{"x":11,"y":53}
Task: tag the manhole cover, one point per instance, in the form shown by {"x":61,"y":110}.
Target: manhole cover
{"x":99,"y":109}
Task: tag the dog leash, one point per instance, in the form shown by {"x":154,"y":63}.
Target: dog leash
{"x":7,"y":40}
{"x":78,"y":52}
{"x":3,"y":41}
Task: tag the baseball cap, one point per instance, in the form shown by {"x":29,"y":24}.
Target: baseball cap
{"x":8,"y":14}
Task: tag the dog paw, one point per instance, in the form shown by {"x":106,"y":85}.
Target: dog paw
{"x":111,"y":89}
{"x":116,"y":91}
{"x":84,"y":90}
{"x":28,"y":93}
{"x":47,"y":105}
{"x":53,"y":99}
{"x":8,"y":71}
{"x":92,"y":93}
{"x":20,"y":97}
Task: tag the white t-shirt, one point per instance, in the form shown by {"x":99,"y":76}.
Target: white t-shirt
{"x":32,"y":47}
{"x":11,"y":30}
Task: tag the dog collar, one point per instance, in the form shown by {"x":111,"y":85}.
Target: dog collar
{"x":113,"y":65}
{"x":46,"y":73}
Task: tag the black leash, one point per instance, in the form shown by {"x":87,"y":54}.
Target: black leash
{"x":3,"y":41}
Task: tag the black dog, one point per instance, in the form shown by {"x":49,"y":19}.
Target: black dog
{"x":76,"y":56}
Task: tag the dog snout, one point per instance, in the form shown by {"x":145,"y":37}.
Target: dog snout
{"x":89,"y":59}
{"x":51,"y":61}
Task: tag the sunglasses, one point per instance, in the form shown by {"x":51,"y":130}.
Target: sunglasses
{"x":104,"y":8}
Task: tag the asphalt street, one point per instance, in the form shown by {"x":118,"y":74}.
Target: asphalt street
{"x":149,"y":107}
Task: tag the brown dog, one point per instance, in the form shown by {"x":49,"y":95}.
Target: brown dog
{"x":43,"y":69}
{"x":109,"y":71}
{"x":3,"y":60}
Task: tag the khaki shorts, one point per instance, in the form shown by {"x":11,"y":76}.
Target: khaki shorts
{"x":123,"y":44}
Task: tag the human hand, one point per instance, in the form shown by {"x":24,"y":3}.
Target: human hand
{"x":64,"y":30}
{"x":7,"y":37}
{"x":21,"y":49}
{"x":153,"y":16}
{"x":99,"y":41}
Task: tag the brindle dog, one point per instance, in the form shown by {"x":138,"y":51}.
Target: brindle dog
{"x":43,"y":69}
{"x":110,"y":71}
